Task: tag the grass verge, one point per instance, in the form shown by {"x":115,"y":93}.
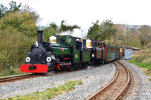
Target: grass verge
{"x":49,"y":93}
{"x":143,"y":60}
{"x":11,"y":71}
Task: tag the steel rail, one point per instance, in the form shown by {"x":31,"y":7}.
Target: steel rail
{"x":124,"y":88}
{"x":127,"y":84}
{"x":16,"y":77}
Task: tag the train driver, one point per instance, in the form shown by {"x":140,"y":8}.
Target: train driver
{"x":79,"y":49}
{"x":80,"y":45}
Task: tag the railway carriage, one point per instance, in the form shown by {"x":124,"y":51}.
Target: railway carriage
{"x":97,"y":52}
{"x":111,"y":53}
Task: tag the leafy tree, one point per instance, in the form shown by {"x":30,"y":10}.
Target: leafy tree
{"x":64,"y":27}
{"x":93,"y":31}
{"x":106,"y":30}
{"x":53,"y":29}
{"x":53,"y":25}
{"x":3,"y":10}
{"x":145,"y":35}
{"x":50,"y":31}
{"x":14,"y":7}
{"x":125,"y":36}
{"x":23,"y":22}
{"x":102,"y":32}
{"x":16,"y":37}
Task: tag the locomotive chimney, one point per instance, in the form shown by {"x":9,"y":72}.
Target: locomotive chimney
{"x":40,"y":38}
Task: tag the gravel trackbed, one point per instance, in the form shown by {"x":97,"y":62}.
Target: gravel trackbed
{"x":142,"y":86}
{"x":92,"y":79}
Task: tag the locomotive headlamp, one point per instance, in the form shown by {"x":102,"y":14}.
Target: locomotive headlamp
{"x":48,"y":59}
{"x":36,"y":44}
{"x":27,"y":59}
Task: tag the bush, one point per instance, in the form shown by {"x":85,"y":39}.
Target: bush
{"x":17,"y":34}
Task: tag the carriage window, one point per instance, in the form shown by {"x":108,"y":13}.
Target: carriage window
{"x":53,"y":39}
{"x":77,"y":44}
{"x":99,"y":44}
{"x":68,"y":40}
{"x":88,"y":44}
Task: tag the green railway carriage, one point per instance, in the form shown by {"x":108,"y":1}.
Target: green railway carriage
{"x":117,"y":51}
{"x":110,"y":53}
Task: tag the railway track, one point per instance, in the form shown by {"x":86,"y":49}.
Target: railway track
{"x":115,"y":89}
{"x":20,"y":77}
{"x":17,"y":77}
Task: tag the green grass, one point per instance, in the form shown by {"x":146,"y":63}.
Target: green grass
{"x":87,"y":77}
{"x":9,"y":72}
{"x":149,"y":69}
{"x":147,"y":73}
{"x":143,"y":60}
{"x":49,"y":93}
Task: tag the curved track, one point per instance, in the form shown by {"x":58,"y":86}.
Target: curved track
{"x":116,"y":87}
{"x":20,"y":77}
{"x":17,"y":77}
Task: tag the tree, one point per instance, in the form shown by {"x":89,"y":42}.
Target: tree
{"x":14,"y":7}
{"x":145,"y":35}
{"x":53,"y":25}
{"x":64,"y":27}
{"x":93,"y":31}
{"x":103,"y":31}
{"x":50,"y":31}
{"x":118,"y":36}
{"x":106,"y":30}
{"x":3,"y":10}
{"x":16,"y":37}
{"x":23,"y":22}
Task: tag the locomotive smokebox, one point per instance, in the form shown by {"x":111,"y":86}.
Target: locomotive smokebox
{"x":40,"y":38}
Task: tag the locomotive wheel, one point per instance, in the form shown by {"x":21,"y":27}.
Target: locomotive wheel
{"x":71,"y":68}
{"x":103,"y":62}
{"x":56,"y":70}
{"x":50,"y":71}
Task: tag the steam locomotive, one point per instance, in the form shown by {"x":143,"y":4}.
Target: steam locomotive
{"x":62,"y":53}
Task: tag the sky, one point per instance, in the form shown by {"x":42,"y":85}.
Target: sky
{"x":84,"y":12}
